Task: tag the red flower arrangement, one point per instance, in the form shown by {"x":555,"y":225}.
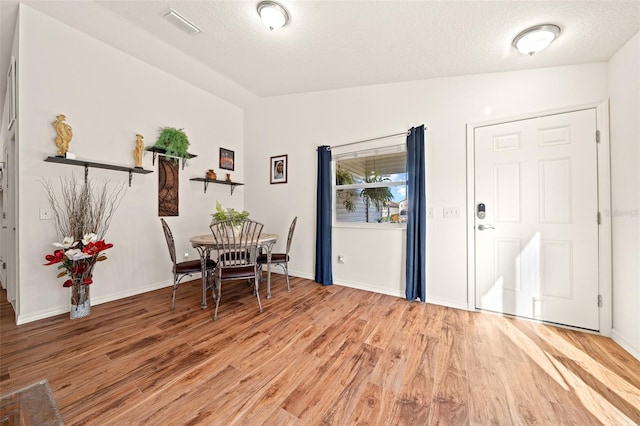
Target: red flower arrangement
{"x":78,"y":258}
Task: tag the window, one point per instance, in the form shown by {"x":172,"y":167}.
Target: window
{"x":371,"y":186}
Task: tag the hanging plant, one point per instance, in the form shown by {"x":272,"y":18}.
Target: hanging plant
{"x":175,"y":143}
{"x":346,"y":196}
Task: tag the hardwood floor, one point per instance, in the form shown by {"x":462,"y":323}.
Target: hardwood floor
{"x":330,"y":355}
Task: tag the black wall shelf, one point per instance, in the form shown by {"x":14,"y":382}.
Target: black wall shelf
{"x":163,"y":151}
{"x":219,"y":182}
{"x":87,"y":164}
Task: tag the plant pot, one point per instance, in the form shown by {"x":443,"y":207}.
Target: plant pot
{"x":234,"y":230}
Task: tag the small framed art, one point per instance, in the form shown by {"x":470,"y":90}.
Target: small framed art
{"x":226,"y":159}
{"x":279,"y":166}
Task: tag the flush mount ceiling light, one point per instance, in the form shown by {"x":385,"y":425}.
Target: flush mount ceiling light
{"x":273,"y":15}
{"x":534,"y":39}
{"x":182,"y":22}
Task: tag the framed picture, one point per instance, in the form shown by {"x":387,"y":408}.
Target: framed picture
{"x":226,"y":159}
{"x":279,"y":166}
{"x":11,"y":92}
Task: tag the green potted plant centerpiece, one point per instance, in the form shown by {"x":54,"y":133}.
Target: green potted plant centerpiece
{"x":232,"y":214}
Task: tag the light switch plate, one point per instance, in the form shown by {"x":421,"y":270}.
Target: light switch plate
{"x":46,"y":213}
{"x":451,"y":212}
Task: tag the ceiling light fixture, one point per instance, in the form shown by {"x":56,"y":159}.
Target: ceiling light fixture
{"x":534,"y":39}
{"x":273,"y":15}
{"x":182,"y":22}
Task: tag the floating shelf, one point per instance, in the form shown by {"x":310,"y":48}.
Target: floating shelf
{"x":156,"y":150}
{"x":219,"y":182}
{"x":87,"y":164}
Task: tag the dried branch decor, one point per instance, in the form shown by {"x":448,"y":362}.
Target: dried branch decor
{"x":81,"y":216}
{"x":83,"y":209}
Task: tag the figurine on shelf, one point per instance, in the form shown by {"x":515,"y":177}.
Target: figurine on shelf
{"x":139,"y":149}
{"x":228,"y":177}
{"x":64,"y":135}
{"x":211,"y":175}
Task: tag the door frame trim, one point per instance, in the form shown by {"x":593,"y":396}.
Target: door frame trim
{"x":604,"y":206}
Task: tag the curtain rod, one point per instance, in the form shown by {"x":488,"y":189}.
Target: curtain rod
{"x":372,"y":139}
{"x":407,"y":133}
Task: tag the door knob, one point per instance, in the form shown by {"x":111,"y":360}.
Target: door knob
{"x":483,"y":227}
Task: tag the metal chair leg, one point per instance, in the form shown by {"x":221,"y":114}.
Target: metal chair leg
{"x":286,"y":273}
{"x":173,"y":293}
{"x":211,"y":284}
{"x":218,"y":284}
{"x":258,"y":296}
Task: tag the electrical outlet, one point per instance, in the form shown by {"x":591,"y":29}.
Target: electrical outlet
{"x":46,"y":213}
{"x":451,"y":212}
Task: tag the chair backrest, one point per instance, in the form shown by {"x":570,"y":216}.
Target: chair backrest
{"x":237,"y":245}
{"x":170,"y":243}
{"x":292,"y":228}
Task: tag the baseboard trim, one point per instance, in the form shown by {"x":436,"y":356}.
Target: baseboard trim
{"x":448,"y":303}
{"x":350,"y":284}
{"x":369,"y":287}
{"x":625,"y":344}
{"x":293,"y":273}
{"x":389,"y":292}
{"x":23,"y":319}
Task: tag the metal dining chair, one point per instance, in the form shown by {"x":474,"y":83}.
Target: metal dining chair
{"x":183,"y":269}
{"x":280,"y":259}
{"x":237,"y":248}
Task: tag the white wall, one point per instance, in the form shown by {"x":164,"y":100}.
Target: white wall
{"x":624,"y":89}
{"x":108,"y":97}
{"x":296,"y":124}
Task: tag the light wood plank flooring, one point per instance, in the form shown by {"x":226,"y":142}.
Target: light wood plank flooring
{"x":316,"y":355}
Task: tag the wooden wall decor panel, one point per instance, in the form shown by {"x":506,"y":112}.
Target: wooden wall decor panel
{"x":168,"y":187}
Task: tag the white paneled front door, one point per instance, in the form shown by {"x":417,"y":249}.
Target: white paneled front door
{"x":536,"y":248}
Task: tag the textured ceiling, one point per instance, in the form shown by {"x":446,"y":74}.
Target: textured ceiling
{"x":339,"y":44}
